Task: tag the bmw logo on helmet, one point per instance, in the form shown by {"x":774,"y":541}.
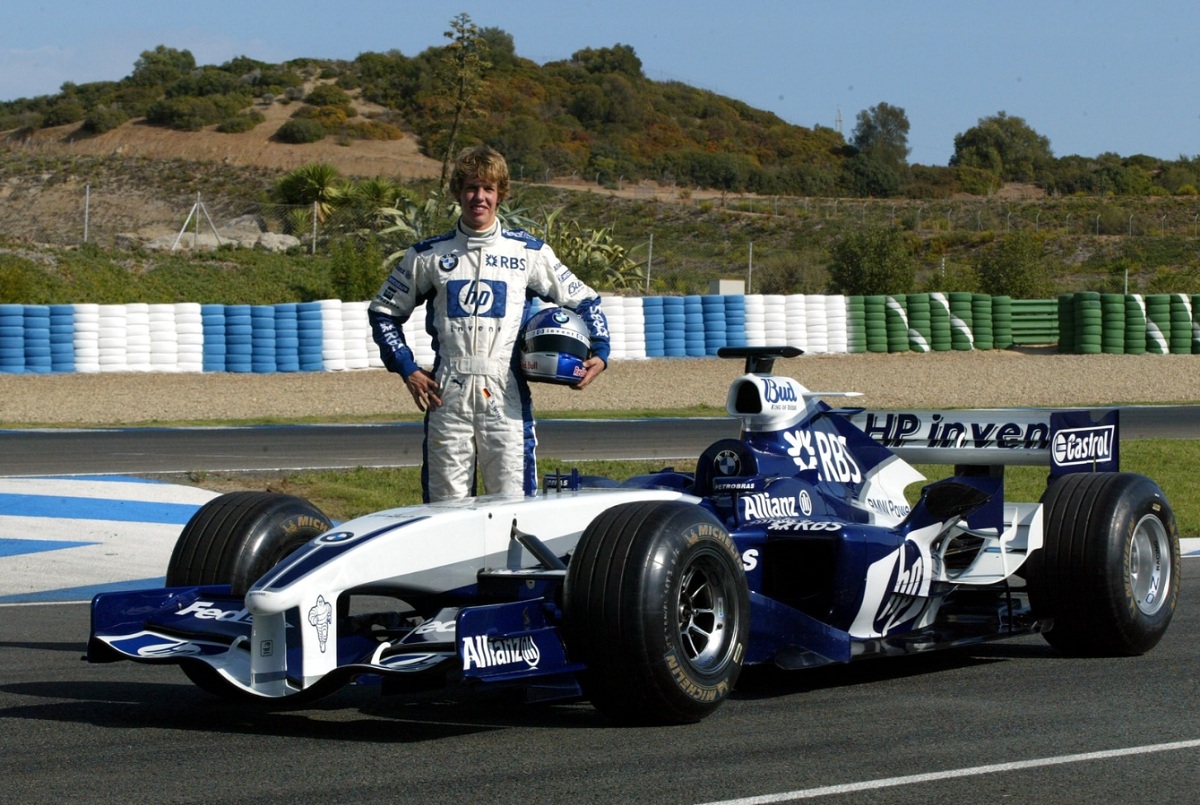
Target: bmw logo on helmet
{"x":554,"y":344}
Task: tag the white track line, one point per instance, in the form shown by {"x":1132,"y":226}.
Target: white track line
{"x":974,"y":771}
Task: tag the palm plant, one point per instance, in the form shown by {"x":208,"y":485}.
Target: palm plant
{"x":316,"y":183}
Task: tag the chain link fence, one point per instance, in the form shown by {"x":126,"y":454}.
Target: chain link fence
{"x":787,"y":257}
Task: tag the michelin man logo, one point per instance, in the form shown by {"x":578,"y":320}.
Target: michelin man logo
{"x":320,"y":616}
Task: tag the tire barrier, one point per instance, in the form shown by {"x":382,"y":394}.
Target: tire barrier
{"x":1135,"y":325}
{"x":961,"y":320}
{"x":856,"y":331}
{"x":1158,"y":324}
{"x":654,"y":326}
{"x":1002,"y":322}
{"x":1088,"y":323}
{"x":920,"y":332}
{"x":1034,"y":321}
{"x":940,"y":338}
{"x":1180,"y":306}
{"x":982,"y":331}
{"x":895,"y":324}
{"x":837,"y":325}
{"x":332,"y":335}
{"x":1196,"y":324}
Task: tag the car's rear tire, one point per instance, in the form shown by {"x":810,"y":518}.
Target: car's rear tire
{"x":657,"y":606}
{"x":234,"y":539}
{"x":1108,"y":571}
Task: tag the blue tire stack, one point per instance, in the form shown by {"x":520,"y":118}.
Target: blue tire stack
{"x":674,"y":322}
{"x":212,"y":321}
{"x":62,"y":338}
{"x":712,"y":309}
{"x":12,"y":339}
{"x":287,"y":338}
{"x":37,"y":339}
{"x":239,"y":339}
{"x":694,"y":336}
{"x":262,"y":339}
{"x":652,"y":311}
{"x":735,"y":320}
{"x":308,"y":333}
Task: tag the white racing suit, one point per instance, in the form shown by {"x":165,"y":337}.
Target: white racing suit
{"x":477,"y":290}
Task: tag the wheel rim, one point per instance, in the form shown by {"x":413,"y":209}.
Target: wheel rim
{"x":1149,"y":565}
{"x":707,"y":623}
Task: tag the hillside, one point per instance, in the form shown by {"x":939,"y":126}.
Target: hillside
{"x":256,"y":148}
{"x":144,"y":178}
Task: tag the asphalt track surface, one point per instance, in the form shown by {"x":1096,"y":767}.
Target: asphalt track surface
{"x":1009,"y":721}
{"x":172,"y":450}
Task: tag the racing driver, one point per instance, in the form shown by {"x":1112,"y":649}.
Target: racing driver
{"x":476,"y":281}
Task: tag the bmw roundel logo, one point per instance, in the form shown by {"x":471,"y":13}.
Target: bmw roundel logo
{"x":335,"y":536}
{"x":560,"y":317}
{"x":727,"y":463}
{"x":448,"y":262}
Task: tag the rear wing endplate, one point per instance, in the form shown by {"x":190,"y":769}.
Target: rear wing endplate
{"x":1075,"y":440}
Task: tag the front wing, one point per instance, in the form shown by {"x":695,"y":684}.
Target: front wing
{"x":506,"y":643}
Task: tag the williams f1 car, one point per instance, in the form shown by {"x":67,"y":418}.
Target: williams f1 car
{"x":794,"y":544}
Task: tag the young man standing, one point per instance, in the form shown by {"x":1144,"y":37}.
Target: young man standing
{"x":476,"y":281}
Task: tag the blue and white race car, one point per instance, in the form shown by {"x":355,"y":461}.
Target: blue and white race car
{"x":794,"y":545}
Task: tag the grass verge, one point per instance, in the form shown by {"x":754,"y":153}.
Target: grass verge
{"x":344,"y":494}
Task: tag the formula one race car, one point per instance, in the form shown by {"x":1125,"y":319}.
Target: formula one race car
{"x":793,"y":545}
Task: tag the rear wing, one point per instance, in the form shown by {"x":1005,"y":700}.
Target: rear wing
{"x":1076,"y":440}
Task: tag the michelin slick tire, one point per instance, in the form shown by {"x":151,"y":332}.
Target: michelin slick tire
{"x":1108,"y":570}
{"x":234,"y":539}
{"x":657,"y":606}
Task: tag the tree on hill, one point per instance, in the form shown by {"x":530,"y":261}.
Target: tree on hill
{"x":881,"y":133}
{"x":1004,"y":146}
{"x":162,"y":66}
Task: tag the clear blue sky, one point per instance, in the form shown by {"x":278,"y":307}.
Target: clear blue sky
{"x":1091,"y":75}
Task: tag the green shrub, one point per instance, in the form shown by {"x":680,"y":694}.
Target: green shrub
{"x":357,"y":270}
{"x":1015,"y":266}
{"x":192,"y":114}
{"x":242,"y":121}
{"x":875,"y":260}
{"x":14,"y":283}
{"x":328,"y":95}
{"x":104,"y":118}
{"x":64,"y":113}
{"x":300,"y":130}
{"x":372,"y":130}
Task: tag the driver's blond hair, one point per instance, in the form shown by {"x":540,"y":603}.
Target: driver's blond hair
{"x":480,"y":162}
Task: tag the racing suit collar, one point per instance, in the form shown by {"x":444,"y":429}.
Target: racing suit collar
{"x":476,"y":239}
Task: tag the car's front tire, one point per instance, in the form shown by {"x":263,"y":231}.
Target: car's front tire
{"x":657,"y":606}
{"x":234,"y":539}
{"x":237,"y":537}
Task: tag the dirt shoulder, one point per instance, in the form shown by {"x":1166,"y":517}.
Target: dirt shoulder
{"x":934,"y":380}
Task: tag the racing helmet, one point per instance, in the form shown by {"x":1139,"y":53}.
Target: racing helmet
{"x":554,"y":344}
